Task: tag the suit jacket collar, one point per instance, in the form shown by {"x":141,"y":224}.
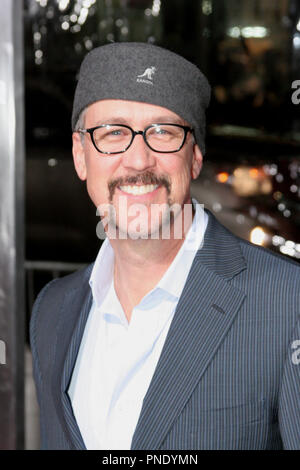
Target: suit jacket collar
{"x":205,"y":311}
{"x":74,"y":313}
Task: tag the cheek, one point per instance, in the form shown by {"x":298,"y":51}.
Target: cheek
{"x":96,"y":191}
{"x":180,"y":177}
{"x":98,"y":174}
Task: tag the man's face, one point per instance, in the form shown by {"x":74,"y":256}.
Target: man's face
{"x":110,"y":178}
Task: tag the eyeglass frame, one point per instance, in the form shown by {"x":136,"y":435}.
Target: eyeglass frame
{"x":134,"y":133}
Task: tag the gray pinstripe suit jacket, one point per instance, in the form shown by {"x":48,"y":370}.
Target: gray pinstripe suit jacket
{"x":226,"y":377}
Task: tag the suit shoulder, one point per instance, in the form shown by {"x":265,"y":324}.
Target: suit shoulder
{"x":65,"y":283}
{"x":266,"y":257}
{"x":274,"y":273}
{"x":51,"y":296}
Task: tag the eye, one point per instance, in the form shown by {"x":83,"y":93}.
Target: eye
{"x":117,"y":132}
{"x":160,"y":130}
{"x":112,"y":133}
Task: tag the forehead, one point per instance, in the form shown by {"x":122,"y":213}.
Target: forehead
{"x":113,"y":111}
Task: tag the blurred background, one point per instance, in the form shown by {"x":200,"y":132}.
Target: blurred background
{"x":250,"y":52}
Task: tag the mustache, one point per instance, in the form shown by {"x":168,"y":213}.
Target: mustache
{"x":144,"y":178}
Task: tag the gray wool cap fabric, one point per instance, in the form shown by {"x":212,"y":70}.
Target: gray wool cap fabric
{"x":146,"y":73}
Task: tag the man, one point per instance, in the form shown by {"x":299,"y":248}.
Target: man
{"x":184,"y":341}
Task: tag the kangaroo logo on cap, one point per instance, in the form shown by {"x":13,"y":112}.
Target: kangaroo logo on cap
{"x":147,"y":76}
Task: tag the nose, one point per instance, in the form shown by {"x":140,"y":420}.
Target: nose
{"x":139,"y":156}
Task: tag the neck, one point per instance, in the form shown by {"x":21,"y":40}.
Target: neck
{"x":140,"y":264}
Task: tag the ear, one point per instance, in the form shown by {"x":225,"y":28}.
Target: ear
{"x":79,"y":156}
{"x":197,"y":162}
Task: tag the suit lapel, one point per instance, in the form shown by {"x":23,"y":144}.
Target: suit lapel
{"x":205,"y":311}
{"x":75,"y":311}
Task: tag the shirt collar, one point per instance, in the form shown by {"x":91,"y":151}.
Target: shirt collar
{"x":184,"y":258}
{"x":102,"y":273}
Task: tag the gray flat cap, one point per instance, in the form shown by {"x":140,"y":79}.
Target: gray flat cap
{"x":146,"y":73}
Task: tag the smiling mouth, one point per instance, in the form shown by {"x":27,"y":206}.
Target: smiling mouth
{"x":138,"y":190}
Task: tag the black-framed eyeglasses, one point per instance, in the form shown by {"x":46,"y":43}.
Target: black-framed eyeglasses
{"x":116,"y":138}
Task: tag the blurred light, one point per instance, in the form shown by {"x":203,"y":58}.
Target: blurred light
{"x":288,"y":247}
{"x":87,"y":3}
{"x":77,"y":8}
{"x":155,"y":7}
{"x":234,"y":32}
{"x":287,"y":251}
{"x":296,"y":42}
{"x":254,"y":32}
{"x":124,"y":30}
{"x":88,"y":44}
{"x":37,"y":37}
{"x":238,"y":171}
{"x":206,"y":7}
{"x":82,"y":16}
{"x":38,"y":54}
{"x":273,"y":170}
{"x":73,"y":18}
{"x":248,"y":32}
{"x":279,"y":178}
{"x":293,"y":188}
{"x":240,"y":218}
{"x":298,"y":26}
{"x":266,"y":219}
{"x":250,"y":181}
{"x":65,"y":25}
{"x":216,"y":207}
{"x":50,"y":13}
{"x":277,"y":240}
{"x":281,"y":206}
{"x":62,"y":5}
{"x":254,"y":173}
{"x":287,"y":213}
{"x":222,"y":177}
{"x":148,"y":12}
{"x":258,"y":236}
{"x":277,"y":195}
{"x":52,"y":162}
{"x":75,"y":29}
{"x":266,"y":186}
{"x":78,"y":46}
{"x":43,"y":3}
{"x":119,"y":22}
{"x":206,"y":32}
{"x":253,"y":211}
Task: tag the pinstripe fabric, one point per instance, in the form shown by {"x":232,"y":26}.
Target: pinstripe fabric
{"x":225,"y":378}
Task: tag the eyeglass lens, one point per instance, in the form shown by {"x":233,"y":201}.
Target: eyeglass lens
{"x":116,"y":138}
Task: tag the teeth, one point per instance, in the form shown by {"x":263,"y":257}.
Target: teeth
{"x":137,"y":190}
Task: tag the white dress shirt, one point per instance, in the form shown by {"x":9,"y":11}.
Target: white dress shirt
{"x":117,"y":359}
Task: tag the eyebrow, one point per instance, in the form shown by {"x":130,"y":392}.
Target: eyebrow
{"x":154,"y":120}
